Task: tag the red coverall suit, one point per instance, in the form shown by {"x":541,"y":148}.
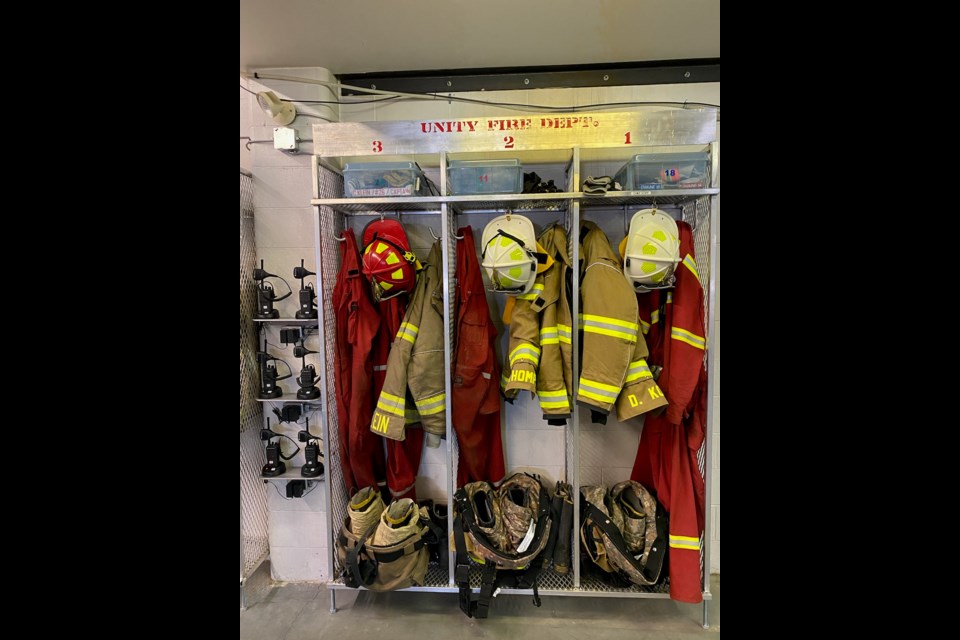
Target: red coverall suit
{"x":361,"y":452}
{"x":403,"y":458}
{"x":667,"y":456}
{"x":476,"y":377}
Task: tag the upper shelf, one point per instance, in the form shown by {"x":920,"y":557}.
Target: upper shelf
{"x":513,"y":201}
{"x":660,"y":196}
{"x":288,"y":320}
{"x":427,"y":204}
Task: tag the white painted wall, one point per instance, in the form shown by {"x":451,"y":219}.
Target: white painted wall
{"x":298,"y":537}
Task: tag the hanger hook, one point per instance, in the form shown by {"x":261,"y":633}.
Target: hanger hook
{"x":381,"y":216}
{"x":435,"y":236}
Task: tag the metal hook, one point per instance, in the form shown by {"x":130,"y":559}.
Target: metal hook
{"x":435,"y":236}
{"x":381,"y":216}
{"x":339,"y":238}
{"x":456,"y":237}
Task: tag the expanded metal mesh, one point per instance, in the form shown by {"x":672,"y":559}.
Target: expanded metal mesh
{"x":253,"y":502}
{"x":331,"y":227}
{"x":697,"y":215}
{"x":453,"y":462}
{"x":592,"y":583}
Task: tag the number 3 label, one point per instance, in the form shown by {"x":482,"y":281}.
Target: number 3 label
{"x":377,"y":146}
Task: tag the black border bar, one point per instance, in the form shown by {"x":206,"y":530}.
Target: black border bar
{"x":509,"y":78}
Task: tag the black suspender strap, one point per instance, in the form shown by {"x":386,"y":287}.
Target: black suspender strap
{"x":461,"y":572}
{"x":486,"y":589}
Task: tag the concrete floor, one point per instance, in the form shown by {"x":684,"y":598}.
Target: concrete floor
{"x":279,"y":611}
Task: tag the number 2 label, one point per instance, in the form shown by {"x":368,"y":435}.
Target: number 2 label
{"x":509,"y":142}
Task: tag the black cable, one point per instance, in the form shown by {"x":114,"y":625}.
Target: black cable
{"x":439,"y":96}
{"x":289,"y":368}
{"x":388,"y":98}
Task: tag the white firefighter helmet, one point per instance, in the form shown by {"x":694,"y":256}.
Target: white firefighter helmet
{"x":652,"y":250}
{"x":510,"y":254}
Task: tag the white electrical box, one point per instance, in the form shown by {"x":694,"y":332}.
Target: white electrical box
{"x":285,"y":138}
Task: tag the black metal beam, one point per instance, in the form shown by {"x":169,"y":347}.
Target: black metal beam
{"x":507,"y":78}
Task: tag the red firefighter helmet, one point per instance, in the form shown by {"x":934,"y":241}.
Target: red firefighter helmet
{"x":388,"y":262}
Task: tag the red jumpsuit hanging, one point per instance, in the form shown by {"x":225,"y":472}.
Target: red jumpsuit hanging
{"x":476,"y":377}
{"x":667,"y":456}
{"x":357,"y":320}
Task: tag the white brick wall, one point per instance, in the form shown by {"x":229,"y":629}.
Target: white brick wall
{"x":298,"y":533}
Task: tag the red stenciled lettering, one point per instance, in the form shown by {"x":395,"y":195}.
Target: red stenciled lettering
{"x":425,"y":127}
{"x":472,"y":124}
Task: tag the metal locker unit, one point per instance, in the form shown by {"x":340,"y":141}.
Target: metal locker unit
{"x":569,"y":151}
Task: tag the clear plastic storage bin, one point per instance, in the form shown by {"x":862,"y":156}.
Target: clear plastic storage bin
{"x":665,"y":171}
{"x":485,"y":176}
{"x":383,"y":180}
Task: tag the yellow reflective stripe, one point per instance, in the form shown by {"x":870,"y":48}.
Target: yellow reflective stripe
{"x":594,"y":396}
{"x":564,"y":331}
{"x":605,"y":320}
{"x":645,"y":326}
{"x":685,"y":542}
{"x":655,"y":316}
{"x":408,"y":332}
{"x":525,"y":352}
{"x":553,"y":399}
{"x":610,"y":327}
{"x":638,"y":371}
{"x":526,"y":345}
{"x":432,"y":400}
{"x":524,"y":357}
{"x":632,"y":337}
{"x":691,"y":264}
{"x":549,"y":335}
{"x":599,"y":391}
{"x":383,"y":406}
{"x":534,"y":292}
{"x":430,"y":412}
{"x":600,"y":385}
{"x":690,"y":338}
{"x":396,"y":399}
{"x":669,"y":297}
{"x":504,"y":381}
{"x":432,"y":404}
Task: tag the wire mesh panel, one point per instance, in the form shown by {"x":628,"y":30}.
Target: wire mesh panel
{"x":331,"y":228}
{"x":253,"y":502}
{"x":697,"y":215}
